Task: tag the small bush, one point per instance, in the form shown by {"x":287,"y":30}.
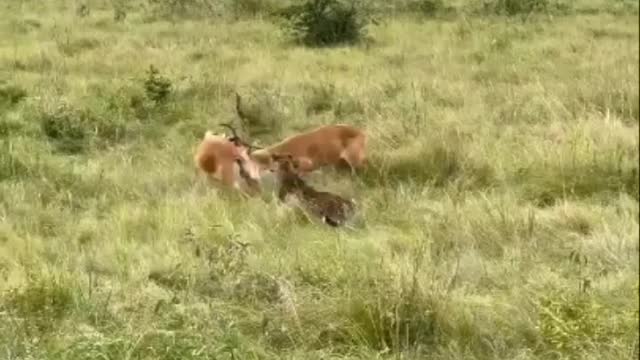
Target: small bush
{"x":157,"y":87}
{"x":327,"y":22}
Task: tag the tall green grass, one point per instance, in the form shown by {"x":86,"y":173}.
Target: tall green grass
{"x":498,"y":218}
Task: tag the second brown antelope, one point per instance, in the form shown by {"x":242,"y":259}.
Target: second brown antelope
{"x":336,"y":145}
{"x":332,"y":209}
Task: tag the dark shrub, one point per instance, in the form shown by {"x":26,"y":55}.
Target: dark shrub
{"x":326,"y":22}
{"x":157,"y":87}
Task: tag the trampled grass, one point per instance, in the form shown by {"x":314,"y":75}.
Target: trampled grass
{"x":498,"y":217}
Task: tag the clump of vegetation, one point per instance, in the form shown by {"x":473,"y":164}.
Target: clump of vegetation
{"x":523,"y":7}
{"x":253,"y":8}
{"x":11,"y":167}
{"x":260,"y":117}
{"x":545,"y":184}
{"x":157,"y":87}
{"x":72,"y":47}
{"x":348,"y":106}
{"x":320,"y":98}
{"x":9,"y":127}
{"x":155,"y":100}
{"x":75,"y":130}
{"x":43,"y":302}
{"x":413,"y":320}
{"x":327,"y":22}
{"x":11,"y":95}
{"x":120,"y":10}
{"x":83,"y":9}
{"x":439,"y":162}
{"x":66,"y":128}
{"x":576,"y":323}
{"x":429,"y":7}
{"x":176,"y":9}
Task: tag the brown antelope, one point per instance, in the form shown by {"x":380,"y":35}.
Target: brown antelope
{"x":227,"y":160}
{"x":335,"y":145}
{"x":333,"y":209}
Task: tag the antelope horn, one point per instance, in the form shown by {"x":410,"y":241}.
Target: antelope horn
{"x":238,"y":109}
{"x":233,"y":130}
{"x":238,"y":139}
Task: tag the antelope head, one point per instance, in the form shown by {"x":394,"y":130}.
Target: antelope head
{"x":244,"y":149}
{"x":284,"y":163}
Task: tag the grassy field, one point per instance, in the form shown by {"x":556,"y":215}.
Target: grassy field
{"x":498,"y":218}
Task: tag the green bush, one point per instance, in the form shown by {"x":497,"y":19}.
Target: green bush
{"x":327,"y":22}
{"x":157,"y":87}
